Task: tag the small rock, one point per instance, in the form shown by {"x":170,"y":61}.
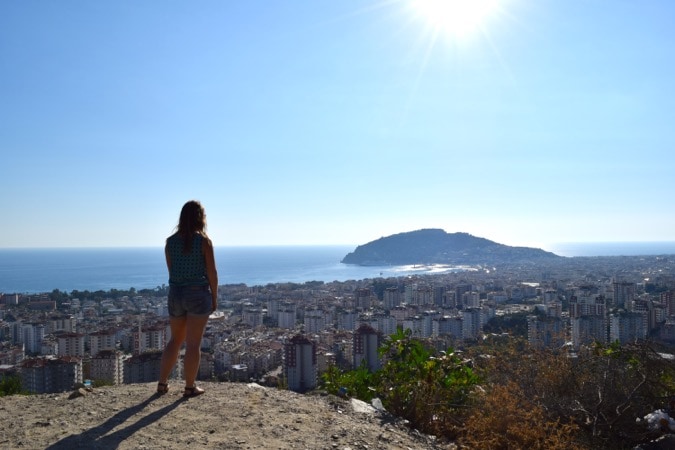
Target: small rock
{"x":77,"y":393}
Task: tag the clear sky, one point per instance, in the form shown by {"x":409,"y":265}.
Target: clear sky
{"x":336,"y":122}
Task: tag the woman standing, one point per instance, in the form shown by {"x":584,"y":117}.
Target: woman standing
{"x":193,"y":295}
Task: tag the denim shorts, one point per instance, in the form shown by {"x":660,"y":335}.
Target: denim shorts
{"x":189,"y":300}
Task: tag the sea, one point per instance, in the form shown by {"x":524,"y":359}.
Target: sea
{"x":32,"y":270}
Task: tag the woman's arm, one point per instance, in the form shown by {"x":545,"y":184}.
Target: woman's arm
{"x":211,"y":272}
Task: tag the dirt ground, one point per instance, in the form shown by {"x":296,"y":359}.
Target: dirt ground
{"x":228,"y":416}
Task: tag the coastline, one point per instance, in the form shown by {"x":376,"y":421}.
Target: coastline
{"x":33,"y":270}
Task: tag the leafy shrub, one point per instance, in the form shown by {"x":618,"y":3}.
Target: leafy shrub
{"x":415,"y":383}
{"x":354,"y":383}
{"x":10,"y":385}
{"x":430,"y":390}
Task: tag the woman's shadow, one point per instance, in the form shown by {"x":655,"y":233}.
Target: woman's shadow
{"x":97,"y":437}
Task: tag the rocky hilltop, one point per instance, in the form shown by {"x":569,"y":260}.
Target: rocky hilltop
{"x":228,"y":416}
{"x":435,"y":246}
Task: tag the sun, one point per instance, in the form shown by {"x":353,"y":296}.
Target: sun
{"x":457,"y":19}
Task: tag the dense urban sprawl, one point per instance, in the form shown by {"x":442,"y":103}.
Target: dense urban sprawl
{"x":286,"y":334}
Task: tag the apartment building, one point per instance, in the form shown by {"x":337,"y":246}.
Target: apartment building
{"x":144,"y":368}
{"x":252,"y":317}
{"x":101,"y":340}
{"x":71,"y":344}
{"x":549,"y":332}
{"x":45,"y":375}
{"x":300,"y":364}
{"x":448,"y":325}
{"x":391,"y":298}
{"x":346,"y":320}
{"x":624,"y":294}
{"x":315,"y":321}
{"x":589,"y":329}
{"x":287,"y":315}
{"x":108,"y":366}
{"x":366,"y":343}
{"x":150,"y":338}
{"x":33,"y":334}
{"x":628,"y":327}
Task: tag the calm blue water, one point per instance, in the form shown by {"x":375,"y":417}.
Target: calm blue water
{"x":43,"y":270}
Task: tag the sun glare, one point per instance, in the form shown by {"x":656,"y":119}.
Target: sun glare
{"x":455,"y":18}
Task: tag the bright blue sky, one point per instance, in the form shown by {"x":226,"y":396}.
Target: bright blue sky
{"x":335,"y":122}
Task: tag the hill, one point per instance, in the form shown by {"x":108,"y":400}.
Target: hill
{"x":228,"y":416}
{"x":435,"y":246}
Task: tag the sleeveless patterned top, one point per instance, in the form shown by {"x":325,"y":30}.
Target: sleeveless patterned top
{"x":187,"y":269}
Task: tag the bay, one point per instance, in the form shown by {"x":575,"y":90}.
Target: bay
{"x":31,"y":271}
{"x":43,"y":270}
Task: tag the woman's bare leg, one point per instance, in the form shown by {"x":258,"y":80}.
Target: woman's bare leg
{"x":172,"y":348}
{"x":193,"y":341}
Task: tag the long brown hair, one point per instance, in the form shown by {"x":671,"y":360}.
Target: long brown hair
{"x":192,"y":220}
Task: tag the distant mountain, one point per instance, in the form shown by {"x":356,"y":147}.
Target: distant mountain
{"x":435,"y":246}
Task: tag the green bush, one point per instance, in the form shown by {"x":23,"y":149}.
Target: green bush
{"x":415,"y":383}
{"x":430,"y":390}
{"x":354,"y":383}
{"x":10,"y":385}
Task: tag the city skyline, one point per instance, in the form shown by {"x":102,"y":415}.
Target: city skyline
{"x":336,"y":123}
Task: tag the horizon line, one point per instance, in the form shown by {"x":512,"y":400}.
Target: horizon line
{"x":159,"y":246}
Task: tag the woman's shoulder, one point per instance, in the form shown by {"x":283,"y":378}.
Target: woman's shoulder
{"x":205,"y":239}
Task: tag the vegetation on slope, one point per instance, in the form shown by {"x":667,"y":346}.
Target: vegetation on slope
{"x":499,"y":396}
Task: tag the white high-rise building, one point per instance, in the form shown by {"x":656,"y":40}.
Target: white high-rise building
{"x":71,"y":344}
{"x":300,"y":364}
{"x":386,"y":325}
{"x":366,"y":344}
{"x":391,"y":298}
{"x":589,"y":329}
{"x":472,"y":323}
{"x":287,"y":315}
{"x":65,"y":323}
{"x":549,"y":332}
{"x":446,"y":325}
{"x":252,"y":317}
{"x":346,"y":320}
{"x":150,"y":338}
{"x":363,"y":298}
{"x":624,"y":294}
{"x":101,"y":340}
{"x":273,"y":310}
{"x":33,"y":333}
{"x":587,"y":305}
{"x":627,"y":327}
{"x":108,"y":365}
{"x":423,"y":295}
{"x":315,"y":321}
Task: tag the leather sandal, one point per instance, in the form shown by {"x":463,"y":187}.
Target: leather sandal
{"x":162,"y":388}
{"x":193,"y":391}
